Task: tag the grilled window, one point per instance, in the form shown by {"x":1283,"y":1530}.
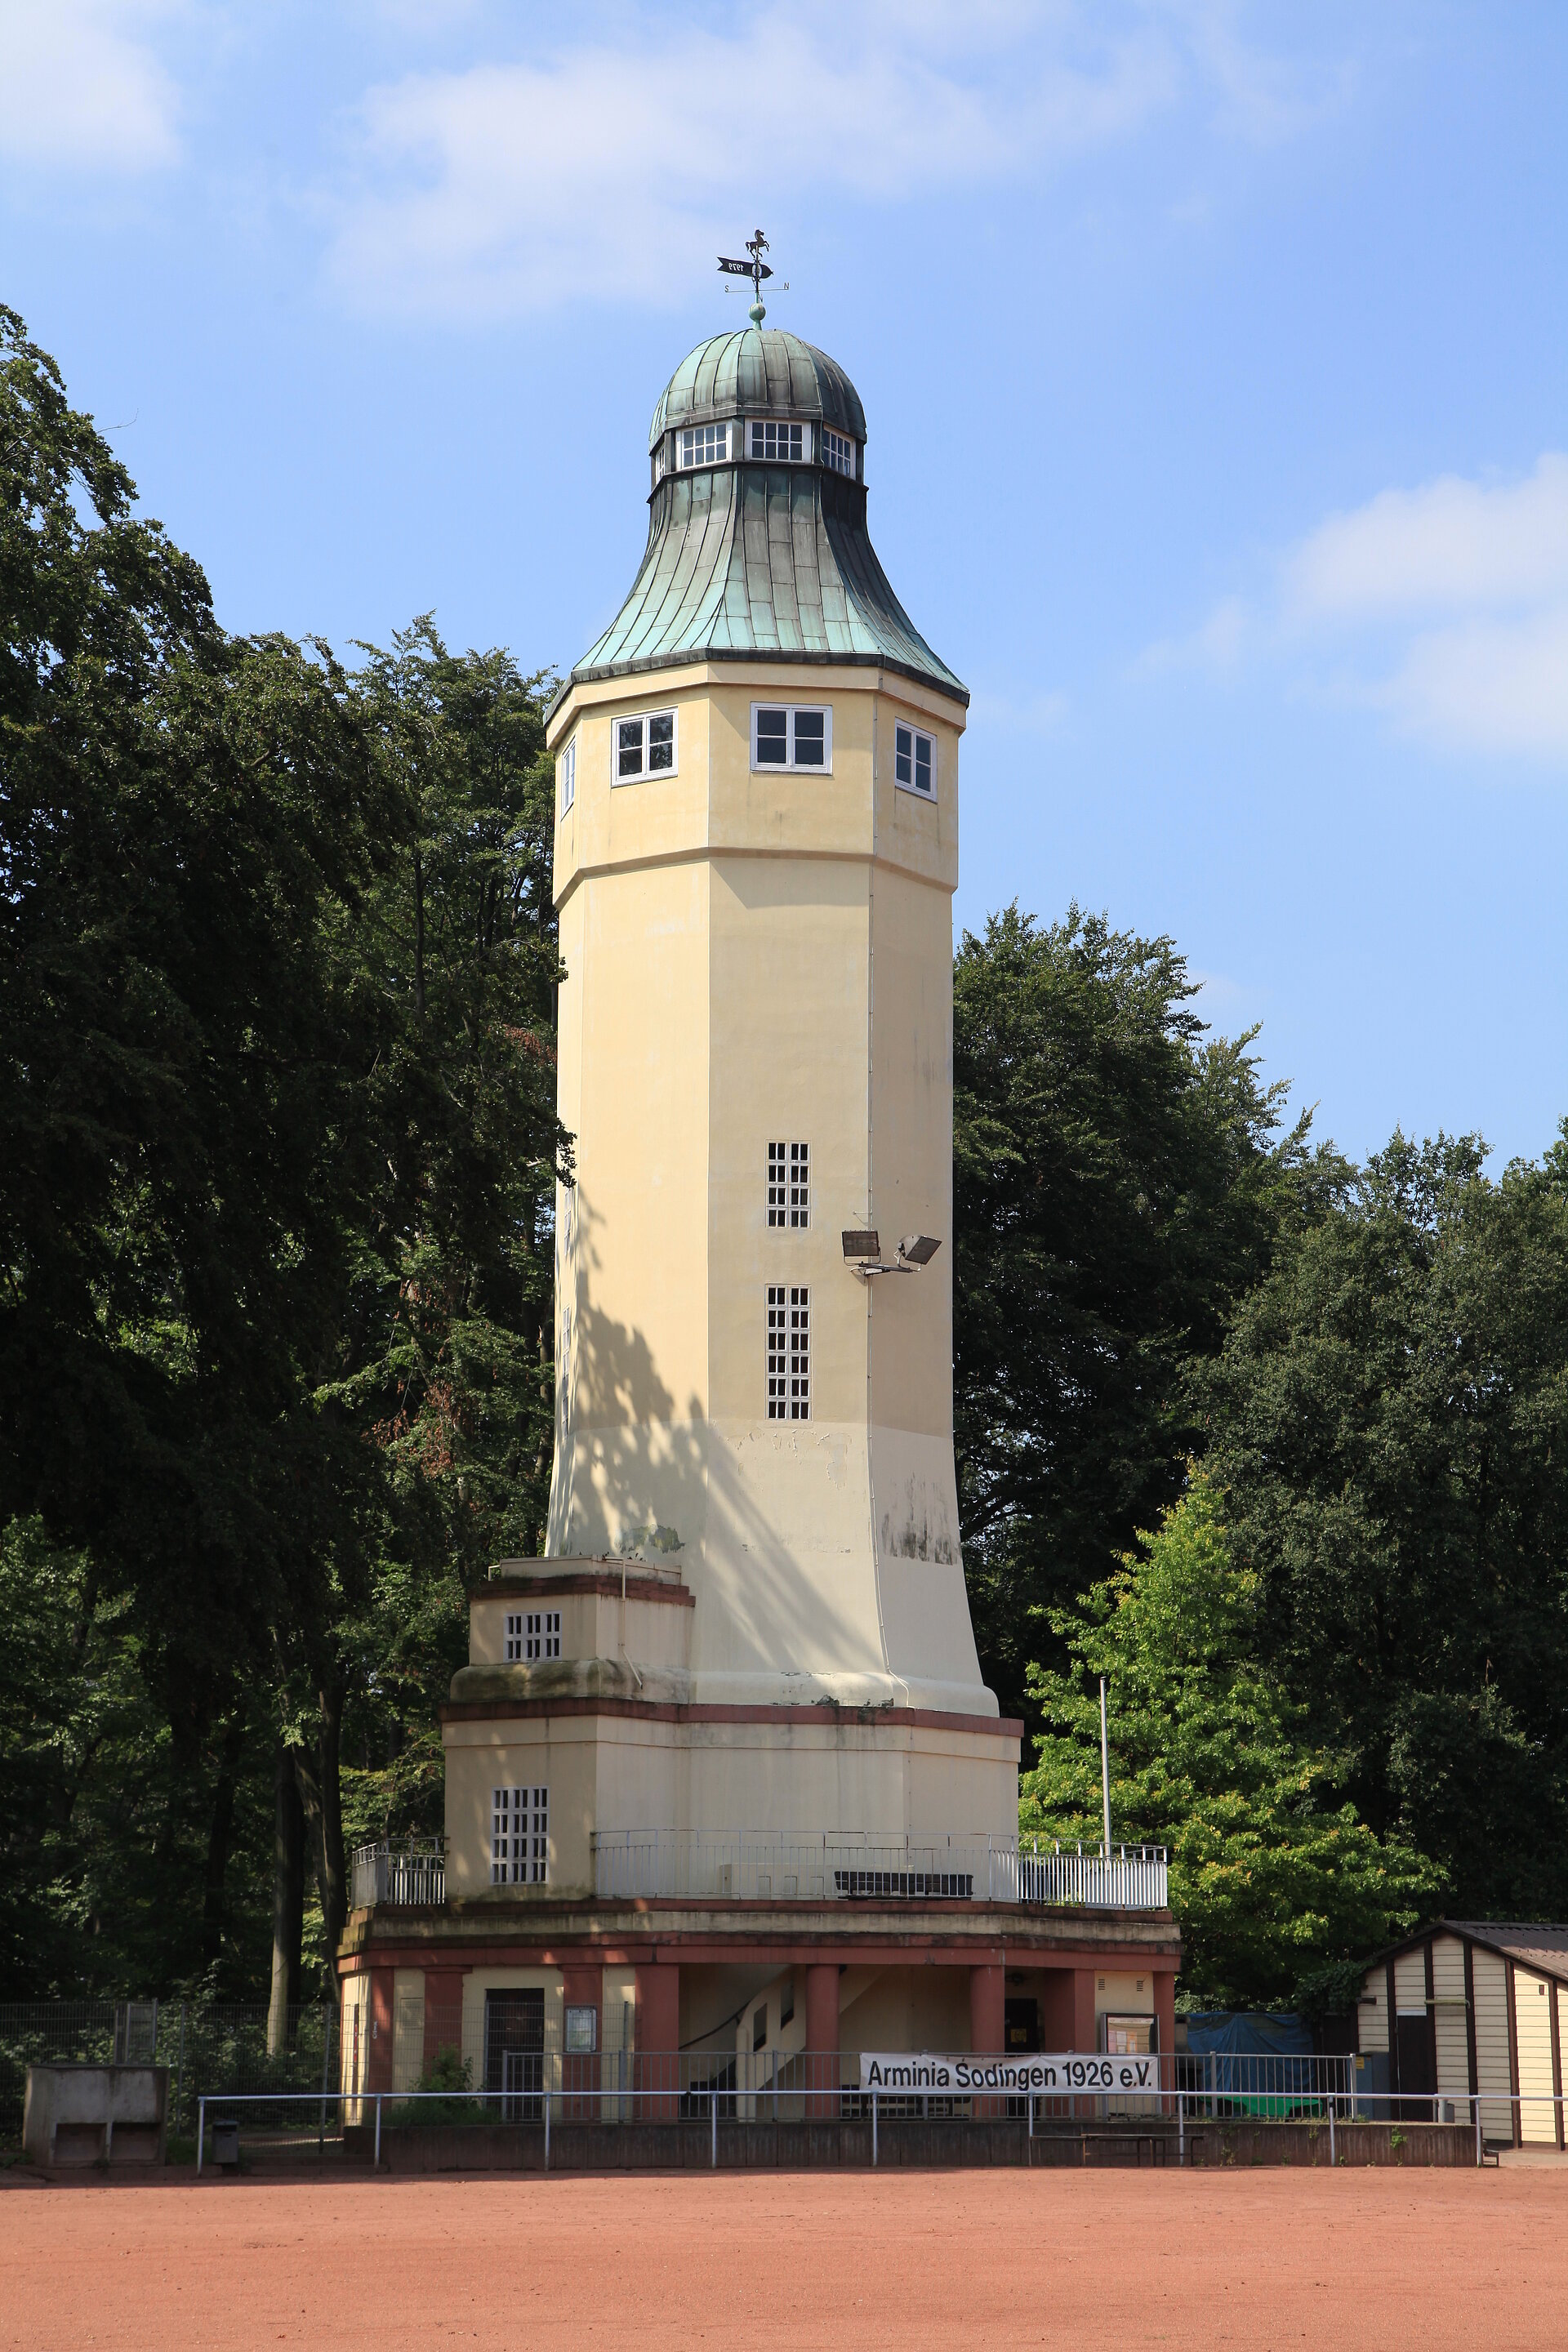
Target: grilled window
{"x":789,"y":1352}
{"x":543,"y":1634}
{"x":789,"y":1185}
{"x":839,"y":451}
{"x":645,"y":747}
{"x":704,"y":444}
{"x":514,"y":1640}
{"x":791,"y":735}
{"x":777,"y":443}
{"x":519,"y":1837}
{"x":914,"y":762}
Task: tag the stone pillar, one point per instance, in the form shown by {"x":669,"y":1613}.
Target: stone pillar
{"x":444,"y":2017}
{"x":658,"y":2070}
{"x":582,"y":1988}
{"x":822,"y":2039}
{"x":383,"y":2026}
{"x":1166,"y":2011}
{"x":987,"y":2026}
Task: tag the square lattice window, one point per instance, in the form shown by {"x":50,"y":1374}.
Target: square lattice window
{"x":789,"y":1352}
{"x":543,"y":1634}
{"x":789,"y":1185}
{"x":519,"y":1837}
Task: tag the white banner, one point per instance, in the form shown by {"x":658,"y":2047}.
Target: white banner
{"x":1058,"y":2075}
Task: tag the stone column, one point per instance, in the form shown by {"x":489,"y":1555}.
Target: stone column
{"x":1166,"y":2011}
{"x":987,"y":2026}
{"x":582,"y":1987}
{"x":444,"y":2017}
{"x":822,"y":2039}
{"x":658,"y":2071}
{"x":383,"y":2026}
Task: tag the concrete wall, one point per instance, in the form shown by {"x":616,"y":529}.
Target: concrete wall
{"x":755,"y":958}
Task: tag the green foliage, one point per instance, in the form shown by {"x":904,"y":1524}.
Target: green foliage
{"x":1117,"y":1181}
{"x":1389,"y":1419}
{"x":1272,"y":1873}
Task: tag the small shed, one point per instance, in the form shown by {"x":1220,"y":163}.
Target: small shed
{"x":1465,"y":2008}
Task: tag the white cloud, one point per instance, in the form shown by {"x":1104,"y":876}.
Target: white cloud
{"x":1452,"y":545}
{"x":621,"y":170}
{"x":1445,"y":607}
{"x":81,"y":86}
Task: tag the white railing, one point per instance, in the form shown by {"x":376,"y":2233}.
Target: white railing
{"x":1128,"y":1878}
{"x":776,"y":1866}
{"x":406,"y":1871}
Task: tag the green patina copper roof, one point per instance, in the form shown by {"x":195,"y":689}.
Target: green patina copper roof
{"x":745,"y":558}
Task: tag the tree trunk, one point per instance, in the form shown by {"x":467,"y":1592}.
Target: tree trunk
{"x":220,"y":1837}
{"x":287,"y":1898}
{"x":316,"y":1768}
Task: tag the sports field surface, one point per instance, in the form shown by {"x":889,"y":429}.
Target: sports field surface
{"x":1277,"y":2259}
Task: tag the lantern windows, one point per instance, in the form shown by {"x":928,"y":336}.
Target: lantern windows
{"x":914,"y":760}
{"x":838,"y":452}
{"x":704,"y":444}
{"x":645,"y":746}
{"x":777,"y":445}
{"x":566,"y":768}
{"x":784,"y":735}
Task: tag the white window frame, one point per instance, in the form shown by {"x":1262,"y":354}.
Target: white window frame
{"x":790,"y":767}
{"x":840,"y":454}
{"x":718,"y":454}
{"x":520,"y":1837}
{"x":644,"y":774}
{"x":566,"y":768}
{"x":789,"y":1186}
{"x":788,"y":1355}
{"x":515,"y":1637}
{"x":541,"y":1635}
{"x":917,"y":735}
{"x":662,"y":459}
{"x":757,"y":440}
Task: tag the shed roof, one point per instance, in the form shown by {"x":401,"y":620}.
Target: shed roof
{"x":1541,"y":1945}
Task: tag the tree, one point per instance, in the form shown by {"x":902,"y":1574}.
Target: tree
{"x":1273,"y":1874}
{"x":1389,"y":1419}
{"x":1118,"y":1179}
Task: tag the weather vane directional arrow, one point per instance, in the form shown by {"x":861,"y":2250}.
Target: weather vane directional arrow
{"x":756,"y":270}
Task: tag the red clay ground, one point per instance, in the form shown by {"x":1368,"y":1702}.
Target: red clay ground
{"x":1270,"y":2260}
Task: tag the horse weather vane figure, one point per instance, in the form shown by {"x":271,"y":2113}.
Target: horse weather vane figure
{"x":756,"y":270}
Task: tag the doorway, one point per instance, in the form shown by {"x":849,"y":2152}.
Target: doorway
{"x":514,"y":2054}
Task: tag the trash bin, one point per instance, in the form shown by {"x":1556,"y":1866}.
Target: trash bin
{"x":224,"y":2132}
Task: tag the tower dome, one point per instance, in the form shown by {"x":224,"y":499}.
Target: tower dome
{"x":757,"y":542}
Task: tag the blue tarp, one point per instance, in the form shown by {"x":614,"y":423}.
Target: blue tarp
{"x":1272,"y":2033}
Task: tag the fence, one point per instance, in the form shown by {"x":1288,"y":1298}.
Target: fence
{"x":411,"y":1871}
{"x":746,"y":1865}
{"x":205,"y":2048}
{"x":543,"y":2092}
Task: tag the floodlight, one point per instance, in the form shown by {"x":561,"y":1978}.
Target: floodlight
{"x":862,"y":1244}
{"x":918,"y":1248}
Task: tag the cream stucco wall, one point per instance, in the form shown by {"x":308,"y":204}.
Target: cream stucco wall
{"x":754,"y":958}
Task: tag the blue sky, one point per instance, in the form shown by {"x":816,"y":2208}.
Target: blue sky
{"x":1214,"y":364}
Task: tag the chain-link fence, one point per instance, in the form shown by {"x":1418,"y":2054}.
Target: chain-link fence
{"x":205,"y":2048}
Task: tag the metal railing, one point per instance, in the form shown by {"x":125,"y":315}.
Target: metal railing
{"x":714,"y":2090}
{"x":405,"y":1871}
{"x":761,"y":1865}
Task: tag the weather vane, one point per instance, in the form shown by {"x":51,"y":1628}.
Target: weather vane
{"x":756,"y":270}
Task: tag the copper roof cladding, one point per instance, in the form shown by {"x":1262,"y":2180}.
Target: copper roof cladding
{"x":746,"y":559}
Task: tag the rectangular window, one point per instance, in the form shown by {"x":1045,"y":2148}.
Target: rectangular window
{"x":704,"y":444}
{"x":789,"y":1185}
{"x":789,"y":1352}
{"x":839,"y":451}
{"x":519,"y":1837}
{"x":661,"y":460}
{"x":568,"y":770}
{"x":784,"y":735}
{"x":914,"y":762}
{"x":645,"y":747}
{"x":543,"y":1634}
{"x":778,"y":444}
{"x":514,"y":1641}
